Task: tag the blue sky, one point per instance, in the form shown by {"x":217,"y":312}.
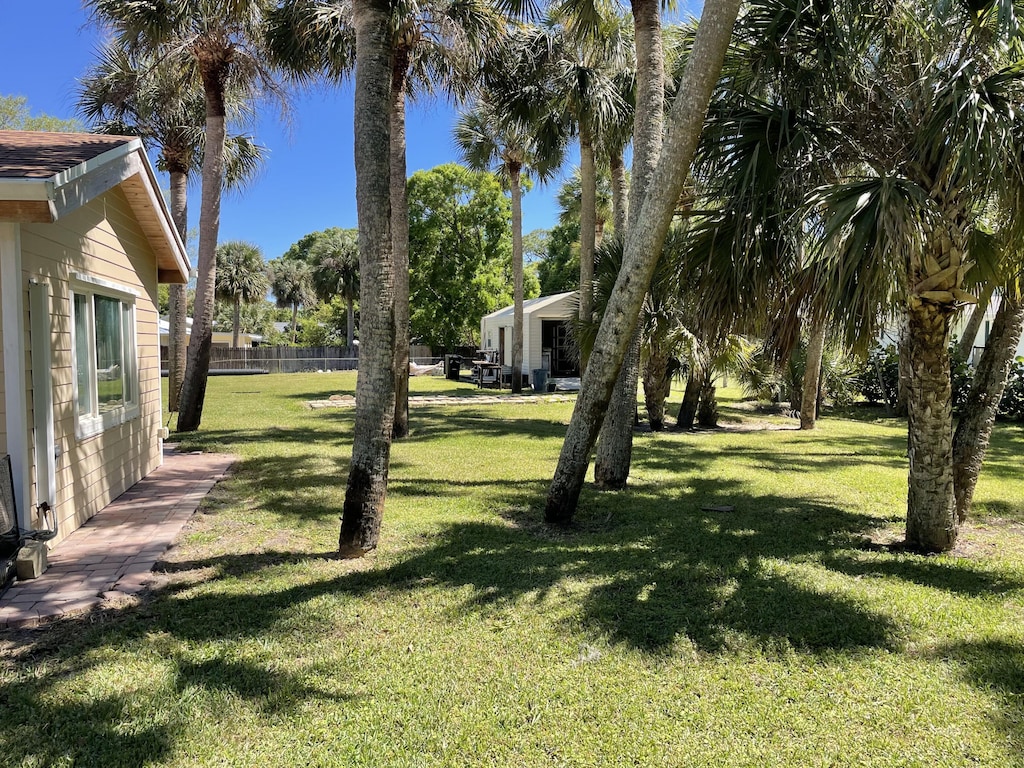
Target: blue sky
{"x":308,"y":182}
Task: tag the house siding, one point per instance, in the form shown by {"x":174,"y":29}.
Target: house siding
{"x":533,"y":317}
{"x":102,"y":240}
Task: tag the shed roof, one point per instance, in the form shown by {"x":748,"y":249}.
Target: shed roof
{"x":44,"y":176}
{"x":534,"y":306}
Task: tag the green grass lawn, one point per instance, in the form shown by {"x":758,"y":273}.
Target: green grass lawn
{"x":655,"y":633}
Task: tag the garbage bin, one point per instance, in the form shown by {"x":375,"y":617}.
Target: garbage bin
{"x":540,"y":380}
{"x":454,"y":366}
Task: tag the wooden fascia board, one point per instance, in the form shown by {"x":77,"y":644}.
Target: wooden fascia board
{"x":26,"y":211}
{"x":148,"y":203}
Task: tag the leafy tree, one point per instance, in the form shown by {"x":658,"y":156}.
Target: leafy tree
{"x":460,"y":253}
{"x":292,"y":285}
{"x":241,"y":278}
{"x":559,"y":269}
{"x":535,"y":245}
{"x":15,"y":115}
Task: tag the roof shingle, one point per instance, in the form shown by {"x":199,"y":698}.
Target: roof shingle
{"x":38,"y":155}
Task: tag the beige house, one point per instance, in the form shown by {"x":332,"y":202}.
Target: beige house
{"x":85,"y":238}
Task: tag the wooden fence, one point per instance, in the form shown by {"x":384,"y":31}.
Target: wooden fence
{"x":294,"y":359}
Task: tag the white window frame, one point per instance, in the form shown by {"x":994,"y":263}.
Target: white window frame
{"x":93,"y":422}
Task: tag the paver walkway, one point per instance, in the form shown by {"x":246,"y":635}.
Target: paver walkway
{"x":114,"y":552}
{"x":348,"y":401}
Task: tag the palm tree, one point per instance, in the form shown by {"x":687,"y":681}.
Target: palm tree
{"x":292,"y":286}
{"x":224,"y":43}
{"x":434,"y":44}
{"x":567,"y":71}
{"x":241,"y":278}
{"x":644,"y":238}
{"x":937,"y":146}
{"x":487,"y":140}
{"x":335,"y":258}
{"x":375,"y":387}
{"x":144,"y":96}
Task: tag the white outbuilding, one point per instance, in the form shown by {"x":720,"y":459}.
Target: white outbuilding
{"x":546,"y":342}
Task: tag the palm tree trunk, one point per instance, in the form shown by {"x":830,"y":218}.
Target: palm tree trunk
{"x":400,"y":239}
{"x":620,"y":206}
{"x":178,"y":293}
{"x":197,"y":367}
{"x":970,"y":441}
{"x":615,"y":444}
{"x":965,"y":345}
{"x":375,"y":385}
{"x":812,"y":375}
{"x":650,"y":99}
{"x":588,"y":218}
{"x":657,"y":379}
{"x":707,"y":408}
{"x":691,"y":399}
{"x":350,"y":323}
{"x":931,"y":513}
{"x":236,"y":323}
{"x":517,"y":279}
{"x":643,"y":243}
{"x":295,"y":320}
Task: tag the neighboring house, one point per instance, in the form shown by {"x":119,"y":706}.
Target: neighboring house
{"x":984,"y":330}
{"x":220,"y":338}
{"x":545,"y":335}
{"x":85,"y":238}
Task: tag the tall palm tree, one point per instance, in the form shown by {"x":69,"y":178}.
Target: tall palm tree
{"x":292,"y":285}
{"x":335,"y":259}
{"x":488,"y":139}
{"x":568,"y":71}
{"x":225,"y":44}
{"x":434,"y":46}
{"x":144,"y":95}
{"x":375,"y":386}
{"x":644,"y":238}
{"x":241,"y":278}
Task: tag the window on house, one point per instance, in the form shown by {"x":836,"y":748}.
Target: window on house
{"x":105,"y":358}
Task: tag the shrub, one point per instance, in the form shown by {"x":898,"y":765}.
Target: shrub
{"x":1012,"y":404}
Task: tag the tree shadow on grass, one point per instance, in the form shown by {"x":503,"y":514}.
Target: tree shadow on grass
{"x":117,"y":729}
{"x":647,"y":577}
{"x":959,"y":578}
{"x":995,"y":667}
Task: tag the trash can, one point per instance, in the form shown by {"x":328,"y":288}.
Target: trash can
{"x":540,"y":380}
{"x":454,"y":366}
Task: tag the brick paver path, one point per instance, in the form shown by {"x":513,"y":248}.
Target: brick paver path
{"x":347,"y":401}
{"x":114,"y":552}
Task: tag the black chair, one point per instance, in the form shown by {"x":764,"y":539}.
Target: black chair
{"x":10,"y":536}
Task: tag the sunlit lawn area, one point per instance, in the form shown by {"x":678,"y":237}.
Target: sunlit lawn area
{"x":661,"y":631}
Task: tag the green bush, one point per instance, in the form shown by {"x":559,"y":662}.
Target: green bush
{"x":1012,"y":404}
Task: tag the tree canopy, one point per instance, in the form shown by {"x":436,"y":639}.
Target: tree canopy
{"x":460,"y":253}
{"x":15,"y":115}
